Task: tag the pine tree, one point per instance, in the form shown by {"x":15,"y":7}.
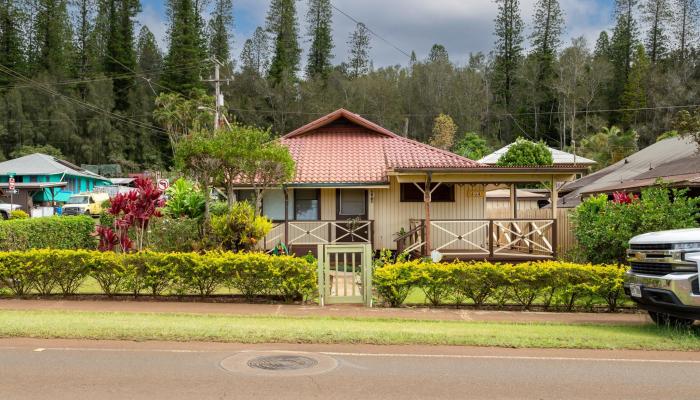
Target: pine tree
{"x":11,"y":48}
{"x":149,"y":57}
{"x":220,"y":31}
{"x":444,"y":129}
{"x":185,"y":47}
{"x":509,"y":39}
{"x":255,"y":56}
{"x":687,"y":14}
{"x":52,"y":38}
{"x":84,"y":27}
{"x":438,"y":54}
{"x":657,"y":14}
{"x":120,"y":59}
{"x":359,"y":45}
{"x":319,"y":19}
{"x":634,"y":95}
{"x":283,"y":26}
{"x":602,"y":46}
{"x":622,"y":45}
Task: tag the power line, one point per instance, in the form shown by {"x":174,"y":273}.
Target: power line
{"x":81,"y":103}
{"x":351,"y":18}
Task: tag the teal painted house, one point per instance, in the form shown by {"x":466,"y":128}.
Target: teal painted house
{"x":43,"y":178}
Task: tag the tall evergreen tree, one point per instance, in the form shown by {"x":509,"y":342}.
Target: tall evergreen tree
{"x":622,"y":45}
{"x":255,"y":56}
{"x":186,"y":46}
{"x":509,"y":39}
{"x":120,"y":58}
{"x":359,"y":45}
{"x":657,"y":14}
{"x":149,"y":57}
{"x":685,"y":29}
{"x":11,"y":48}
{"x":634,"y":95}
{"x":319,"y":19}
{"x":602,"y":46}
{"x":52,"y":38}
{"x":220,"y":31}
{"x":283,"y":27}
{"x":84,"y":25}
{"x":438,"y":53}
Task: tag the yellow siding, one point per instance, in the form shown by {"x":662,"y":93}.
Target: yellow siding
{"x":498,"y":206}
{"x":328,"y":204}
{"x":390,"y":214}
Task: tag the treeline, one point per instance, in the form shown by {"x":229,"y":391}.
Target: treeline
{"x":82,"y":77}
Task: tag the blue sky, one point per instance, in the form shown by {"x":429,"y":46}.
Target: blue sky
{"x":463,"y":26}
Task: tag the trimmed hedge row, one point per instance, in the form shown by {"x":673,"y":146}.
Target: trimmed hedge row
{"x":544,"y":283}
{"x":47,"y":271}
{"x":48,"y":232}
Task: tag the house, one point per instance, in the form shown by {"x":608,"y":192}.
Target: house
{"x":558,"y":157}
{"x":41,"y":179}
{"x":356,"y":181}
{"x":674,"y":161}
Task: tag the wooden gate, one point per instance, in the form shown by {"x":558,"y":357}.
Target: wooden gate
{"x":345,"y":274}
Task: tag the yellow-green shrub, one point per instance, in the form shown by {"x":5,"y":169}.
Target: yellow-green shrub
{"x":395,"y":281}
{"x":436,"y":280}
{"x":478,"y":281}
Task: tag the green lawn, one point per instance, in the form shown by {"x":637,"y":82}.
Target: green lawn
{"x":187,"y":327}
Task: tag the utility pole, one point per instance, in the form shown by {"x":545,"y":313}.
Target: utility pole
{"x":218,"y":97}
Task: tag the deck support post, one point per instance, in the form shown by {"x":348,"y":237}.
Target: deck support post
{"x":514,"y":201}
{"x":555,"y":214}
{"x":286,"y":214}
{"x":427,"y":198}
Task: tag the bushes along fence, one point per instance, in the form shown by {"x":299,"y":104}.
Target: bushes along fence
{"x":49,"y":232}
{"x":48,"y":271}
{"x":544,"y":283}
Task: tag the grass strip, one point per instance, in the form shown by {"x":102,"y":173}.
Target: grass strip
{"x":265,"y":329}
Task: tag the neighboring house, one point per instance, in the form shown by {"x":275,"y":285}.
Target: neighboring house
{"x":498,"y":201}
{"x":359,"y":182}
{"x":674,"y":161}
{"x":41,"y":179}
{"x":558,"y":157}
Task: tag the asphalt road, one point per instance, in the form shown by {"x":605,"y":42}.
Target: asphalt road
{"x":42,"y":369}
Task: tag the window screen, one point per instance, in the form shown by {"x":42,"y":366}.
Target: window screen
{"x":352,"y":202}
{"x":306,"y":205}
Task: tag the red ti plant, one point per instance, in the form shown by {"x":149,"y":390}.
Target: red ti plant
{"x":623,"y":198}
{"x":132,"y":210}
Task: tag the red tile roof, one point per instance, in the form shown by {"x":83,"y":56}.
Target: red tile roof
{"x":343,"y":147}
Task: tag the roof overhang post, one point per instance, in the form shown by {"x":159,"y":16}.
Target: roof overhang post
{"x":554,"y":194}
{"x":427,"y":198}
{"x":513,"y":201}
{"x":285,"y":189}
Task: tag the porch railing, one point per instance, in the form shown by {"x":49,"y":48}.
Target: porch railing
{"x":487,"y":238}
{"x":319,"y":232}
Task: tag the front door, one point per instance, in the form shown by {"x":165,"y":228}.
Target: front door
{"x":345,"y":273}
{"x":351,"y":213}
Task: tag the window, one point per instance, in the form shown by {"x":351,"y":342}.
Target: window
{"x":352,"y":202}
{"x":445,"y":193}
{"x":306,"y":205}
{"x":246,"y":195}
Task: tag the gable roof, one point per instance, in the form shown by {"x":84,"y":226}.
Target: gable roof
{"x":43,"y":164}
{"x":669,"y":157}
{"x":559,"y":157}
{"x":344,"y":148}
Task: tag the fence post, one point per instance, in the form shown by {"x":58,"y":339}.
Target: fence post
{"x":490,"y":233}
{"x":321,"y":271}
{"x":555,"y":239}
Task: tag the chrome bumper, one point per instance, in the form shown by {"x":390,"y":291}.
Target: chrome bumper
{"x":680,"y":284}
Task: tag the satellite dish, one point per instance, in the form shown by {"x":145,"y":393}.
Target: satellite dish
{"x":436,"y":256}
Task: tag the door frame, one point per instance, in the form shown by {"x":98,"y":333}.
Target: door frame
{"x":324,"y":274}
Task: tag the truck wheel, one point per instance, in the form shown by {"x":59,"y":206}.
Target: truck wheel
{"x":4,"y":215}
{"x":662,"y":319}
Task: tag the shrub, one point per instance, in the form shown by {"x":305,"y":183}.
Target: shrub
{"x":18,"y":214}
{"x":395,"y":281}
{"x":250,"y":275}
{"x":185,"y":200}
{"x":110,"y":271}
{"x":293,"y":278}
{"x":603,"y":228}
{"x":526,"y":153}
{"x":477,"y":281}
{"x":240,"y":229}
{"x":14,"y":268}
{"x":436,"y":280}
{"x":174,"y":235}
{"x":195,"y":273}
{"x":48,"y":232}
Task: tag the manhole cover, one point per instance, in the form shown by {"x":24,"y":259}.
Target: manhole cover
{"x":282,"y":362}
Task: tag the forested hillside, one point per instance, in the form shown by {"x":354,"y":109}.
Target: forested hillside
{"x":82,"y":77}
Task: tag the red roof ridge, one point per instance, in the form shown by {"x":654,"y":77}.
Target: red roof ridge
{"x":335,"y":115}
{"x":444,"y":152}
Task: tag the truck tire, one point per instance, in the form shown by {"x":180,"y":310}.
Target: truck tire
{"x":662,"y":319}
{"x":4,"y":215}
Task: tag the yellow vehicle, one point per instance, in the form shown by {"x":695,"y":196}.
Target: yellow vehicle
{"x":85,"y":204}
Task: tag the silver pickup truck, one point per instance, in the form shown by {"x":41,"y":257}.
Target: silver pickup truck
{"x":663,"y":278}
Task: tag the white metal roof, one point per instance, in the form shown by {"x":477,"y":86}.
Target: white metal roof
{"x":558,"y":156}
{"x":42,"y":164}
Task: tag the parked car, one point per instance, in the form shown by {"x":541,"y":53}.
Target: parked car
{"x":663,"y":278}
{"x":85,"y":204}
{"x":6,"y":209}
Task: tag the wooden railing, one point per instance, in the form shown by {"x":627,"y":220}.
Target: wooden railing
{"x":319,"y":232}
{"x":482,"y":238}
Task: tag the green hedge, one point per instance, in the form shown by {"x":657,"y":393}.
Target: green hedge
{"x":48,"y":271}
{"x":49,"y":232}
{"x":544,"y":283}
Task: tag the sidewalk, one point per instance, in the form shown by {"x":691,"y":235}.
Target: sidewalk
{"x":352,"y":311}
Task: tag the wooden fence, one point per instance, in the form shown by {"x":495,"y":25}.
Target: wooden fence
{"x":566,"y":240}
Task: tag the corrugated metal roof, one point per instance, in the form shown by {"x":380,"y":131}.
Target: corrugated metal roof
{"x":558,"y":156}
{"x":42,"y":164}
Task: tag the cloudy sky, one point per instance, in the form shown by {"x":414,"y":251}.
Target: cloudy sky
{"x":462,"y":26}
